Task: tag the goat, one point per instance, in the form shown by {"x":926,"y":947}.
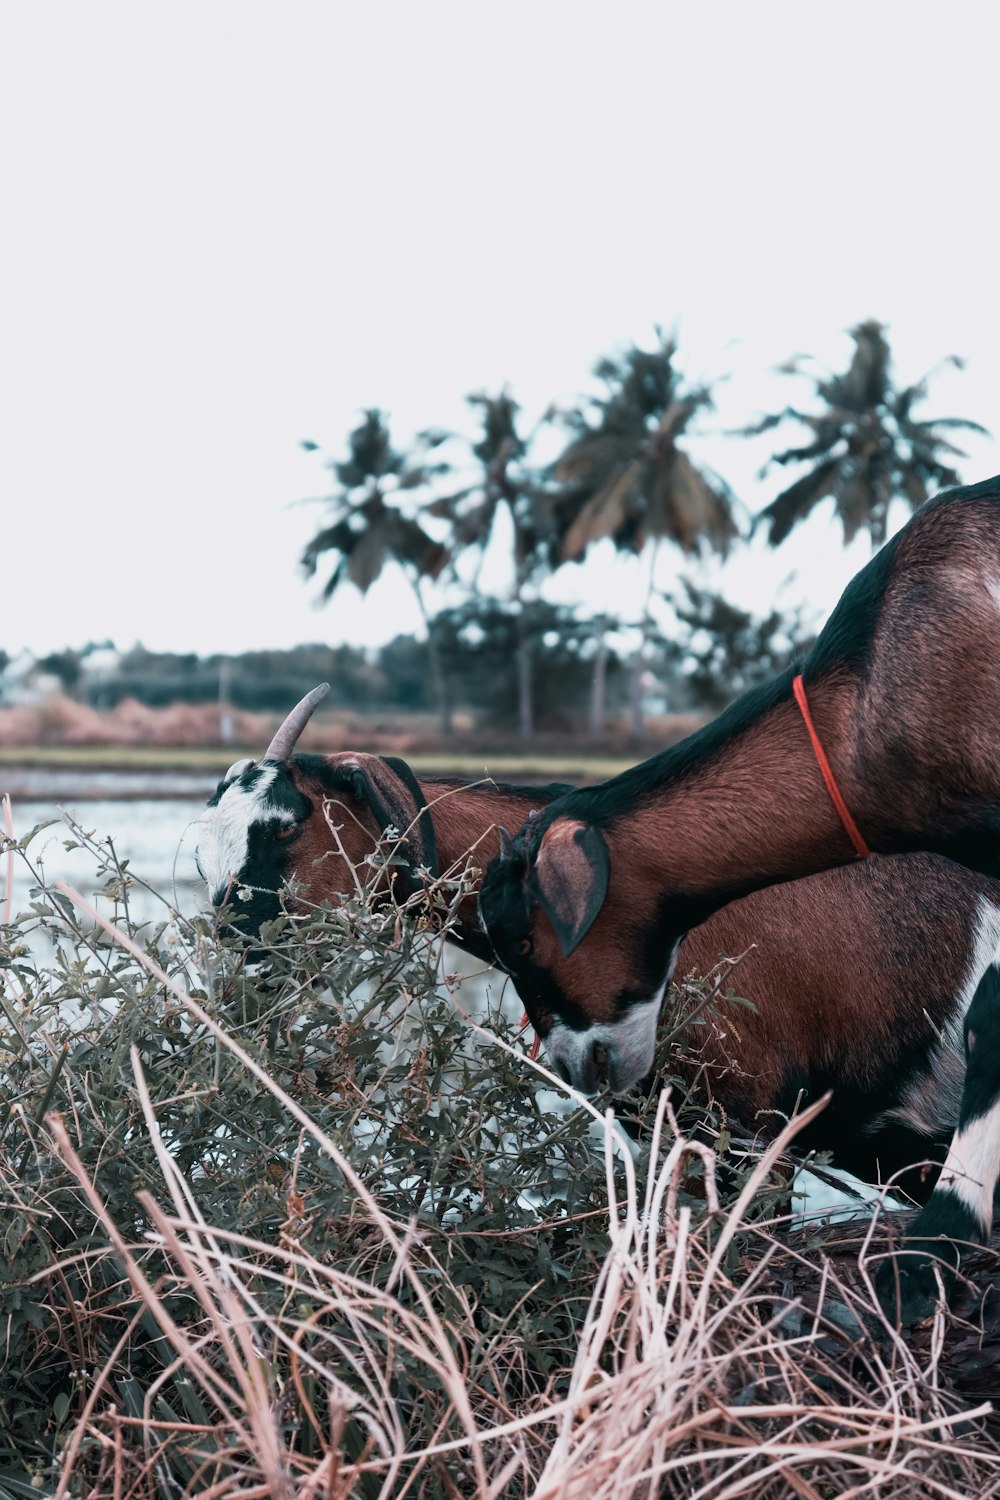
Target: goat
{"x":587,"y":907}
{"x":266,"y":824}
{"x":894,"y":1102}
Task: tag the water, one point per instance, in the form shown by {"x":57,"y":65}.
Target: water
{"x":156,"y":835}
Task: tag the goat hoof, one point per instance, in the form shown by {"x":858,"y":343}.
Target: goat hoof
{"x":910,"y":1284}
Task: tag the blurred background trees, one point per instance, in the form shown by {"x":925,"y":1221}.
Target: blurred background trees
{"x":374,"y":519}
{"x":625,"y":476}
{"x":478,"y":526}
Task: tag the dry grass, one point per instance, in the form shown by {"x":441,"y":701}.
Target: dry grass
{"x":686,"y":1382}
{"x":61,"y":732}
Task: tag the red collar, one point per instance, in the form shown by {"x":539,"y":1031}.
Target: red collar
{"x":853,"y":832}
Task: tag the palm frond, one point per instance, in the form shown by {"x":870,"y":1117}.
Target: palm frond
{"x":868,"y":446}
{"x":331,"y":539}
{"x":689,"y":509}
{"x":604,"y":513}
{"x":796,"y":502}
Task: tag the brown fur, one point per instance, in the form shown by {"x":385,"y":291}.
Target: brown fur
{"x":849,"y":970}
{"x":831,"y":959}
{"x":467,"y":820}
{"x":357,"y":829}
{"x":905,"y":696}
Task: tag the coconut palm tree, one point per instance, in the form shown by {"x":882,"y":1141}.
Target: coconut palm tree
{"x":625,"y":475}
{"x":865,"y":447}
{"x":505,"y":483}
{"x":368,"y":529}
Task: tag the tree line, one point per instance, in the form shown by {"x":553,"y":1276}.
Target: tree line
{"x":623,"y":473}
{"x":713,"y":651}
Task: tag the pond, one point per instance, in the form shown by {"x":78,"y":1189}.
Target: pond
{"x":155,"y":834}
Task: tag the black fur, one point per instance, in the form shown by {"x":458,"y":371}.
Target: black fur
{"x":982,"y":1050}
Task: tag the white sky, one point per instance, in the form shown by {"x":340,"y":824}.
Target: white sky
{"x":228,"y":226}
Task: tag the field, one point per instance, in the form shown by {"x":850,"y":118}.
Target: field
{"x":540,"y":766}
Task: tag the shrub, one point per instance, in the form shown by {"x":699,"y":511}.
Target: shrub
{"x":306,"y":1227}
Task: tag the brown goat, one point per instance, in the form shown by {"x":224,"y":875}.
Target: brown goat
{"x":587,"y":907}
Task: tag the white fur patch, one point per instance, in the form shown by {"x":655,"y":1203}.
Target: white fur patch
{"x":630,"y":1045}
{"x":932,"y":1102}
{"x":973,"y":1165}
{"x":224,"y":830}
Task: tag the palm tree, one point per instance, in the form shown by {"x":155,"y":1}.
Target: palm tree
{"x":866,"y":449}
{"x":505,"y":482}
{"x":367,"y":531}
{"x":625,"y":476}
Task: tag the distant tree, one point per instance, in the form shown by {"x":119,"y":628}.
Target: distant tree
{"x":369,"y":528}
{"x":274,"y":680}
{"x":482,"y":638}
{"x":866,"y":448}
{"x":65,"y":665}
{"x":723,"y":650}
{"x":625,"y":475}
{"x":404,"y":669}
{"x":505,"y":482}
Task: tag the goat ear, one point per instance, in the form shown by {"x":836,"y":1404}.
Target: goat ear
{"x":394,"y":797}
{"x":570,"y":879}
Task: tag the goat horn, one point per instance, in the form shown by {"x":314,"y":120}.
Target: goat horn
{"x":283,"y":744}
{"x":506,"y":842}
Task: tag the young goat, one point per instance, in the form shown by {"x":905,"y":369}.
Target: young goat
{"x":919,"y":933}
{"x":586,"y":909}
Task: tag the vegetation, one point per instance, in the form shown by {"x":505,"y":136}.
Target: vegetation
{"x":866,"y":448}
{"x":624,"y":473}
{"x":367,"y":530}
{"x":725,"y":650}
{"x":626,"y":477}
{"x":307,"y":1227}
{"x":618,"y":467}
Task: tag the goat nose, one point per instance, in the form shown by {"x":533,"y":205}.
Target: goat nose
{"x":563,"y":1071}
{"x":599,"y":1057}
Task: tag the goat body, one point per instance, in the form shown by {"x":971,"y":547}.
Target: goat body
{"x":587,"y":907}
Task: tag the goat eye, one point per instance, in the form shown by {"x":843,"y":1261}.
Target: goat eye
{"x":285,"y":831}
{"x":525,"y":946}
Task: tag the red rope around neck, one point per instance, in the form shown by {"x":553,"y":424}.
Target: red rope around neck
{"x":536,"y":1044}
{"x":853,"y":832}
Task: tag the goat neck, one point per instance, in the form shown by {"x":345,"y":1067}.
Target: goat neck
{"x":467,"y":819}
{"x":739,"y":804}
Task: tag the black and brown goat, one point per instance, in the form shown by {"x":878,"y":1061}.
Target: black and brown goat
{"x":587,"y":907}
{"x":889,"y":951}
